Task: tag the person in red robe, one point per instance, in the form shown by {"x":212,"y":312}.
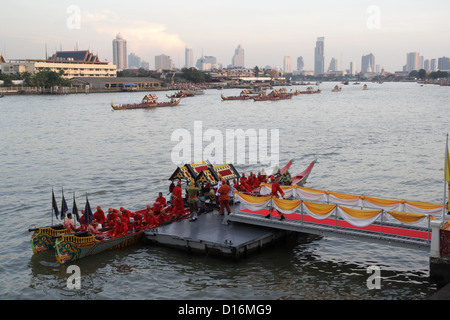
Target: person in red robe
{"x":120,"y":228}
{"x":243,"y":178}
{"x":224,"y":198}
{"x":99,"y":215}
{"x":276,"y":190}
{"x":162,"y":201}
{"x":111,"y":217}
{"x":178,"y":205}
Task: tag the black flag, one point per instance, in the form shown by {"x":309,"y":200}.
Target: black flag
{"x":55,"y":205}
{"x":75,"y":209}
{"x":64,"y":207}
{"x":88,"y":216}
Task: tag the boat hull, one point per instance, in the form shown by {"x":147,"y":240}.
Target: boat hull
{"x":42,"y":238}
{"x":72,"y":247}
{"x":146,"y":105}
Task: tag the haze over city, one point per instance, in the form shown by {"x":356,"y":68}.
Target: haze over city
{"x":267,"y":30}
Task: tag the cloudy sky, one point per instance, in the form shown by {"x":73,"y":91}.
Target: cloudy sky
{"x":267,"y":30}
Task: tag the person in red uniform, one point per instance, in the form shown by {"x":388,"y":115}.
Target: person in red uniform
{"x":99,"y":215}
{"x":276,"y":190}
{"x":120,"y":228}
{"x":111,"y":217}
{"x":162,"y":201}
{"x":224,"y":198}
{"x":243,"y":179}
{"x":178,"y":205}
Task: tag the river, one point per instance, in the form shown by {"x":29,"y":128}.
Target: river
{"x":387,"y":141}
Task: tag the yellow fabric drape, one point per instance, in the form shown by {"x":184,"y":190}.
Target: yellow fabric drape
{"x":423,"y":205}
{"x":343,"y":195}
{"x":383,"y":202}
{"x":360,"y":214}
{"x":252,"y":199}
{"x":407,"y":217}
{"x":318,"y":208}
{"x":286,"y":204}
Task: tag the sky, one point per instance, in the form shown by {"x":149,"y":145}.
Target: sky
{"x":267,"y":30}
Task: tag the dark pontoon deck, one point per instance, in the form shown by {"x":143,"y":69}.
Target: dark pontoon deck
{"x":209,"y":236}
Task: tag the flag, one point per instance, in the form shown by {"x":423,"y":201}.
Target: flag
{"x":64,"y":207}
{"x":88,"y":216}
{"x":55,"y":205}
{"x":75,"y":209}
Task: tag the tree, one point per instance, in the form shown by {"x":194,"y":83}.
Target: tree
{"x":422,"y":74}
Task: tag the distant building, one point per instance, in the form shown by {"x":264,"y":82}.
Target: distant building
{"x":287,"y":64}
{"x":412,"y":61}
{"x":319,"y":59}
{"x":368,"y":63}
{"x":238,"y":58}
{"x":300,"y":64}
{"x":333,"y":65}
{"x":163,"y":62}
{"x":188,"y":58}
{"x":352,"y":69}
{"x":206,"y":63}
{"x":120,"y":52}
{"x":444,"y":64}
{"x":72,"y":63}
{"x":134,"y":62}
{"x":433,"y":65}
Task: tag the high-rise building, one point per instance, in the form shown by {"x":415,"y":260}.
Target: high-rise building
{"x":319,"y":59}
{"x":444,"y":64}
{"x":206,"y":63}
{"x":163,"y":62}
{"x":134,"y":62}
{"x":333,"y":65}
{"x":238,"y":58}
{"x":188,"y":58}
{"x":300,"y":64}
{"x":412,"y":61}
{"x":120,"y":52}
{"x":433,"y":65}
{"x":287,"y":64}
{"x":368,"y":63}
{"x":352,"y":69}
{"x":426,"y":65}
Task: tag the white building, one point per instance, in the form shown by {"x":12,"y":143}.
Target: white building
{"x":120,"y":57}
{"x":412,"y":61}
{"x":238,"y":58}
{"x":189,"y":58}
{"x":163,"y":62}
{"x":288,"y":66}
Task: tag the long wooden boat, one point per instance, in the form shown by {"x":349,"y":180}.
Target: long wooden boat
{"x":235,"y":97}
{"x":73,"y":247}
{"x":43,"y":238}
{"x":310,"y":90}
{"x":300,"y":179}
{"x":151,"y":104}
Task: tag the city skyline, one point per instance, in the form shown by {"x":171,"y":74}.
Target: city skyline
{"x":351,"y":29}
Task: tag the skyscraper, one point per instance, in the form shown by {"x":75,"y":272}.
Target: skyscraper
{"x":189,"y":58}
{"x":120,"y":52}
{"x":300,"y":64}
{"x":238,"y":58}
{"x":412,"y":61}
{"x":368,"y":63}
{"x":287,"y":64}
{"x":163,"y":62}
{"x":333,"y":65}
{"x":319,"y":59}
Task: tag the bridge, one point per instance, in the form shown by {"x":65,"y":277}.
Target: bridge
{"x":392,"y":222}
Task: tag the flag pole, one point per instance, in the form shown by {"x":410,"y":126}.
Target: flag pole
{"x":445,"y":180}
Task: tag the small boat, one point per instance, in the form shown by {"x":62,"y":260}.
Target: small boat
{"x":336,"y":89}
{"x":149,"y":101}
{"x":300,"y":179}
{"x":310,"y":90}
{"x":365,"y":87}
{"x":274,"y":95}
{"x":235,"y":97}
{"x":72,"y":247}
{"x":43,"y":239}
{"x":181,"y":94}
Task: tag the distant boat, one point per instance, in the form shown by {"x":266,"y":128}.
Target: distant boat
{"x":149,"y":101}
{"x":336,"y":89}
{"x":310,"y":90}
{"x":365,"y":87}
